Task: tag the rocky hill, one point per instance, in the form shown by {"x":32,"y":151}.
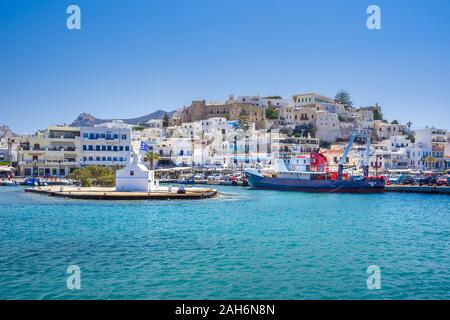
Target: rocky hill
{"x":87,"y":120}
{"x":5,"y":132}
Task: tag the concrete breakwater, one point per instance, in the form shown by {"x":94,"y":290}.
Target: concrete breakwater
{"x":163,"y":193}
{"x":418,"y":189}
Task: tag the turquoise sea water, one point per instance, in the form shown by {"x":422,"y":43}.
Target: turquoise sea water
{"x":246,"y":244}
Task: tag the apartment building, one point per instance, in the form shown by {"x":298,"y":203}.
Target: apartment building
{"x":385,"y":130}
{"x":105,"y":146}
{"x":437,"y":141}
{"x":51,"y":152}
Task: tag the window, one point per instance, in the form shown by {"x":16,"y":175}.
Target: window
{"x":91,"y":147}
{"x":103,"y":158}
{"x":109,"y":158}
{"x":84,"y":147}
{"x":124,"y":137}
{"x":115,"y":148}
{"x":131,"y":173}
{"x":85,"y":135}
{"x":102,"y":136}
{"x":109,"y":148}
{"x":97,"y":158}
{"x":116,"y":136}
{"x":127,"y":148}
{"x":97,"y":148}
{"x":121,"y":148}
{"x":103,"y":148}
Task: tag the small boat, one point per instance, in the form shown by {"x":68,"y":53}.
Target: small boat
{"x":33,"y":182}
{"x":186,"y":180}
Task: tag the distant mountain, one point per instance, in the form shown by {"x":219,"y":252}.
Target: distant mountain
{"x":88,"y":120}
{"x":5,"y":132}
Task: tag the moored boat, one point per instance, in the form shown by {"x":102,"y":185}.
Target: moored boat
{"x":310,"y":173}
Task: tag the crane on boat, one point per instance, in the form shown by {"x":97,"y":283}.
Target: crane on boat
{"x":360,"y":133}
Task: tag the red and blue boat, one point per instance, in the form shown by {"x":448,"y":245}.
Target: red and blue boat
{"x":310,"y":173}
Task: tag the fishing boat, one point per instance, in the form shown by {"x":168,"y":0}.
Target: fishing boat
{"x":310,"y":173}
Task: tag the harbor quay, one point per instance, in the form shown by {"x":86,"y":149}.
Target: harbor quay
{"x":95,"y":193}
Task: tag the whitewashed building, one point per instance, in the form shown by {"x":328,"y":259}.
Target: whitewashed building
{"x":135,"y":177}
{"x":105,"y":146}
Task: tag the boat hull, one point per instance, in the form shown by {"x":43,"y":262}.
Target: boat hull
{"x":329,"y":186}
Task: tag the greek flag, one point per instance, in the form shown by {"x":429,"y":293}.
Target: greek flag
{"x":144,"y":147}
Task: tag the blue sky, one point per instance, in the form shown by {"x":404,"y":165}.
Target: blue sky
{"x":133,"y":57}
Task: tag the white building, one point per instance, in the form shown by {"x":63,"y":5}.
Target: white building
{"x":135,"y":177}
{"x":328,"y":126}
{"x":300,"y":100}
{"x":437,"y":141}
{"x":105,"y":146}
{"x":387,"y":130}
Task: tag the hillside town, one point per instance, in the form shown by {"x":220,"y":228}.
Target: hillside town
{"x":240,"y":132}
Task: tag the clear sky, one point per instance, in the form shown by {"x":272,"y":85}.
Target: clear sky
{"x":133,"y":57}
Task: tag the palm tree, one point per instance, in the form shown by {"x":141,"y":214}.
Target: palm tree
{"x":151,"y":157}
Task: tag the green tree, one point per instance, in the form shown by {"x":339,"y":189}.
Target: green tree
{"x":343,"y":97}
{"x":377,"y":115}
{"x":411,"y":137}
{"x":165,"y":122}
{"x":273,"y":97}
{"x":151,"y":157}
{"x":394,"y":122}
{"x":304,"y":129}
{"x":244,"y":122}
{"x":271,"y":113}
{"x":94,"y":176}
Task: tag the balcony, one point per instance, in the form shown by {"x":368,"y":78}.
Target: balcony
{"x":65,"y":137}
{"x":49,"y":163}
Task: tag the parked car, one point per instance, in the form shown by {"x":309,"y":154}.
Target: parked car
{"x":443,"y":181}
{"x":199,"y":176}
{"x":408,"y":180}
{"x":215,"y":177}
{"x":396,"y":179}
{"x":427,"y":180}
